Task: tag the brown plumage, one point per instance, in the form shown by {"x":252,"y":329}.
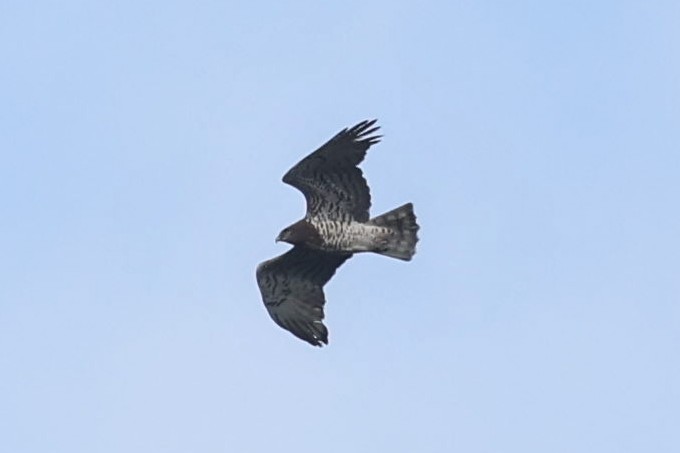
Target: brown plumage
{"x":292,"y":290}
{"x":336,"y":225}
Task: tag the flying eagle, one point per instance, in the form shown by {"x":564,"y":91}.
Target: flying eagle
{"x":336,"y":226}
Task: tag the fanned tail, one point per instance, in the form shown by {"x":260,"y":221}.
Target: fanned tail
{"x":400,"y":235}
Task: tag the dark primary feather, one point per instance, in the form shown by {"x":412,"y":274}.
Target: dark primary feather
{"x":329,"y":178}
{"x":292,"y":290}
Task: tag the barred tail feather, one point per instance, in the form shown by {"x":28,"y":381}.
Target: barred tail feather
{"x":400,"y":232}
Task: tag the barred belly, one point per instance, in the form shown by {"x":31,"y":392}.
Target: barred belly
{"x":351,"y":237}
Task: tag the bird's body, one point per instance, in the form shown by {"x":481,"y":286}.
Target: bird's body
{"x":336,"y":226}
{"x":350,"y":236}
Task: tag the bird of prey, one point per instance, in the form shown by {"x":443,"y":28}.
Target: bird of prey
{"x":336,"y":226}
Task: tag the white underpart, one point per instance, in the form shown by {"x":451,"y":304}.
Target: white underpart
{"x":350,"y":236}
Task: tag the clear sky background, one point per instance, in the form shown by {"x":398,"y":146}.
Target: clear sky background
{"x":142,"y":149}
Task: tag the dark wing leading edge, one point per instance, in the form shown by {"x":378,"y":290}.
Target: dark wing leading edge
{"x":329,"y":178}
{"x":292,"y":290}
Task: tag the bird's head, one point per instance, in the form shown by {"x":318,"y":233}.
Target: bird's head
{"x":299,"y":233}
{"x":286,"y":235}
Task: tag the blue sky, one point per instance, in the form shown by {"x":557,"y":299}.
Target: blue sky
{"x":142,"y":149}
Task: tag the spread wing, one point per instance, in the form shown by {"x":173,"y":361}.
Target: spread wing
{"x":292,"y":290}
{"x":329,"y":178}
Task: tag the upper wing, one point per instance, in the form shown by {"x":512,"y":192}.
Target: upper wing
{"x":329,"y":178}
{"x":292,"y":290}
